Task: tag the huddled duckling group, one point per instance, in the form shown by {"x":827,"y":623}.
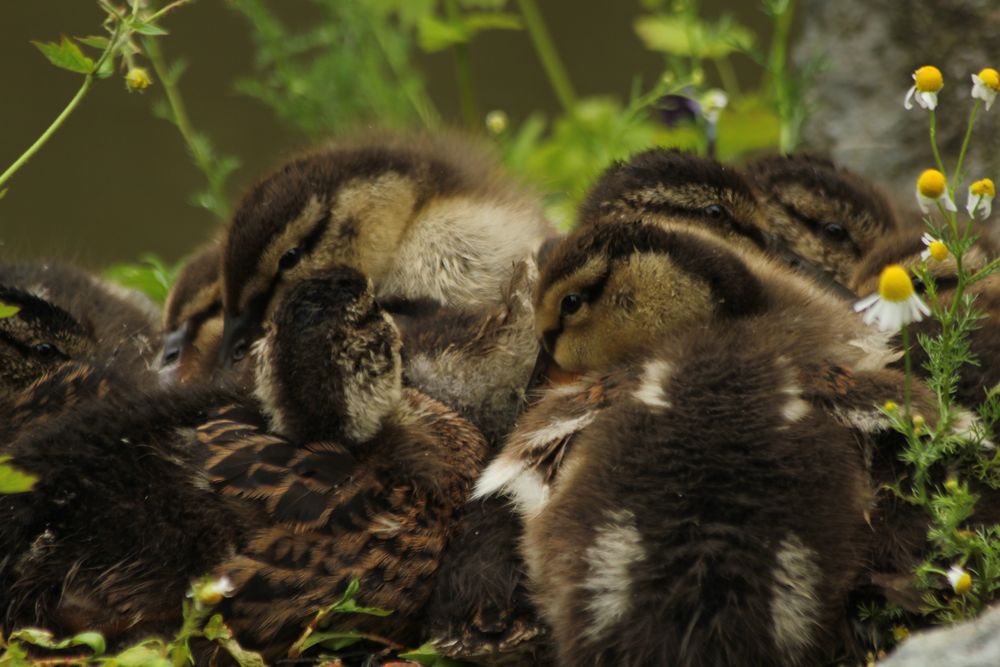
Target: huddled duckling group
{"x":652,"y":441}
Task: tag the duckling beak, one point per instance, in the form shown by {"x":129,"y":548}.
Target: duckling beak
{"x":548,"y":372}
{"x":236,"y":339}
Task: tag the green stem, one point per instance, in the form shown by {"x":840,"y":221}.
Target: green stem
{"x":88,"y":80}
{"x":204,"y":161}
{"x":777,"y":61}
{"x":463,"y":72}
{"x":728,"y":77}
{"x":547,"y":54}
{"x":908,"y":373}
{"x":965,"y":145}
{"x":421,"y":103}
{"x":934,"y":146}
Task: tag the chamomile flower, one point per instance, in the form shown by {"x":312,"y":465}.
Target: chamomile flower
{"x":209,"y":592}
{"x":986,"y":85}
{"x":895,"y":304}
{"x":935,"y":248}
{"x":927,"y":81}
{"x":960,"y":579}
{"x":932,"y":188}
{"x":981,"y":194}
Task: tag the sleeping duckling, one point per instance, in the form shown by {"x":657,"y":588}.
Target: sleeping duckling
{"x":701,"y":495}
{"x":369,"y":490}
{"x":344,"y":476}
{"x":826,"y":214}
{"x":192,"y":319}
{"x":668,"y":187}
{"x":431,"y":221}
{"x":906,"y":247}
{"x":121,"y":321}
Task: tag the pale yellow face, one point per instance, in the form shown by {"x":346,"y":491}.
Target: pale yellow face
{"x":644,"y":297}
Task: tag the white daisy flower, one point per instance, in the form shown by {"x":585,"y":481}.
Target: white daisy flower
{"x":935,"y":248}
{"x":896,"y":304}
{"x":981,"y":194}
{"x":932,"y":188}
{"x":927,"y":81}
{"x":960,"y":580}
{"x":986,"y":85}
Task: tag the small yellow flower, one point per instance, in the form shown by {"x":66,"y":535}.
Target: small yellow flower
{"x":137,"y":78}
{"x":890,"y":406}
{"x":960,"y":580}
{"x":918,"y":423}
{"x":986,"y":85}
{"x":951,"y":484}
{"x":900,"y":633}
{"x":927,"y":81}
{"x":209,"y":592}
{"x":895,"y":304}
{"x":935,"y":248}
{"x":981,"y":194}
{"x":965,"y":533}
{"x":932,"y":188}
{"x":496,"y":121}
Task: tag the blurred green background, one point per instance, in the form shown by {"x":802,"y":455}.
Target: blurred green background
{"x":116,"y":181}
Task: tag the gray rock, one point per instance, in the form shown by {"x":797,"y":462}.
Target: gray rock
{"x":972,"y":644}
{"x":871,"y":48}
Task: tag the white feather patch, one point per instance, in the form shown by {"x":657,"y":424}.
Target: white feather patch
{"x":617,"y":547}
{"x":650,"y":389}
{"x":794,"y":602}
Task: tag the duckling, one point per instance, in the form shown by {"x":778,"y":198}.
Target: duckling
{"x":670,"y":187}
{"x":36,"y":339}
{"x":192,"y":319}
{"x":122,"y":322}
{"x":701,"y":494}
{"x":905,"y":247}
{"x":291,"y":500}
{"x":430,"y":220}
{"x":369,"y":490}
{"x":822,"y":212}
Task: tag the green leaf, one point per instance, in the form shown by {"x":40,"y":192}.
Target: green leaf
{"x":67,"y":55}
{"x":334,"y":641}
{"x":92,"y":640}
{"x":95,"y":41}
{"x":242,"y":656}
{"x":44,"y":639}
{"x":684,"y":36}
{"x":3,"y":193}
{"x":494,"y":5}
{"x":13,"y":480}
{"x":150,"y":29}
{"x":433,"y":34}
{"x":150,"y":276}
{"x":427,"y":655}
{"x":140,"y":656}
{"x":106,"y":69}
{"x":7,"y":310}
{"x":479,"y":21}
{"x":215,"y":629}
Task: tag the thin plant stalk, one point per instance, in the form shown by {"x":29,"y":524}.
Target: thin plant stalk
{"x":181,"y":119}
{"x":965,"y":146}
{"x":547,"y":54}
{"x":777,"y":66}
{"x":88,"y":81}
{"x":463,"y":71}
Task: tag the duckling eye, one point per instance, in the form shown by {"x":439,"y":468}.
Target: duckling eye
{"x":918,"y":285}
{"x":240,"y":349}
{"x":834,"y":232}
{"x":716,"y":212}
{"x":290,"y":258}
{"x":47,"y":351}
{"x":570,"y":304}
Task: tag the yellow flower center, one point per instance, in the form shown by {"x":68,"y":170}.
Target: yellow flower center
{"x":137,"y":79}
{"x":983,"y":188}
{"x":890,"y":406}
{"x":894,"y":284}
{"x":938,"y":250}
{"x":931,"y":184}
{"x":991,"y":78}
{"x":963,"y":583}
{"x":899,"y":633}
{"x":928,"y":79}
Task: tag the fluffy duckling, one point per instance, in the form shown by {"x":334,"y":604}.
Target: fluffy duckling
{"x":122,"y":322}
{"x":701,"y":495}
{"x":670,"y":187}
{"x":192,"y":319}
{"x":905,"y":247}
{"x":34,"y":341}
{"x":431,"y":221}
{"x":372,"y":486}
{"x":825,"y":214}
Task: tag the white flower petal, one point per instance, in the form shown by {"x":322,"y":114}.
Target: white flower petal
{"x":921,"y":306}
{"x":987,"y":207}
{"x":865,"y":302}
{"x":925,"y":203}
{"x":925,"y":254}
{"x":947,"y":202}
{"x":972,"y":202}
{"x":927,"y":100}
{"x":908,"y":100}
{"x":927,"y":239}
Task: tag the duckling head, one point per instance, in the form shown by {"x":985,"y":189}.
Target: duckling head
{"x":670,"y":185}
{"x":192,"y":319}
{"x":612,"y":290}
{"x":36,"y":339}
{"x":827,"y":215}
{"x":328,"y":366}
